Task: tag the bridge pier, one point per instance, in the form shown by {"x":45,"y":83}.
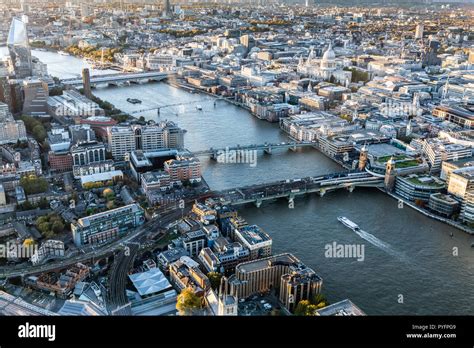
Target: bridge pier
{"x":258,"y":203}
{"x":292,"y":148}
{"x":322,"y":192}
{"x":214,"y":156}
{"x":268,"y":150}
{"x":350,"y":188}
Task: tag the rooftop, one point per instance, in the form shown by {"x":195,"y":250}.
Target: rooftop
{"x":256,"y":265}
{"x":342,"y":308}
{"x":253,"y":234}
{"x":424,"y":180}
{"x":150,"y":282}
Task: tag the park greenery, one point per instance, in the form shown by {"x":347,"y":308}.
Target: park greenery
{"x":215,"y":279}
{"x":182,"y":33}
{"x":50,"y":225}
{"x":188,"y":303}
{"x":35,"y":127}
{"x":309,"y":307}
{"x":97,"y":184}
{"x":274,"y":21}
{"x":33,"y":184}
{"x":93,"y":53}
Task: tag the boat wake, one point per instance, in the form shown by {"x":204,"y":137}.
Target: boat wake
{"x":380,"y":244}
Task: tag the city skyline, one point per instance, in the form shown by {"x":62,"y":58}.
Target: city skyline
{"x":180,"y":158}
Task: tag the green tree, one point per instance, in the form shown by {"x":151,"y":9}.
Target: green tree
{"x":50,"y":225}
{"x":215,"y":279}
{"x":35,"y":127}
{"x":302,"y":307}
{"x":57,"y":227}
{"x":309,"y":307}
{"x":319,"y":300}
{"x":188,"y":303}
{"x":32,"y":184}
{"x":39,"y":133}
{"x":43,"y":203}
{"x":43,"y":227}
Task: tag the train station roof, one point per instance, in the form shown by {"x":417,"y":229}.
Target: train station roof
{"x":150,"y":282}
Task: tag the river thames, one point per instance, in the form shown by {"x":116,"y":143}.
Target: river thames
{"x":412,"y":264}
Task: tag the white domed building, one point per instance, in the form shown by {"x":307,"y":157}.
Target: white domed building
{"x":327,"y":65}
{"x":325,"y":68}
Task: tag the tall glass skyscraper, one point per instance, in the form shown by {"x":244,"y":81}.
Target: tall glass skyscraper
{"x":19,"y":48}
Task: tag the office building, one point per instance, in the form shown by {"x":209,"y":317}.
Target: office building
{"x":193,"y":242}
{"x":58,"y":139}
{"x":121,"y":141}
{"x":12,"y":131}
{"x":225,"y":258}
{"x":443,"y":204}
{"x":342,"y":308}
{"x":418,"y":188}
{"x":79,"y":171}
{"x":185,"y":273}
{"x":60,"y":161}
{"x":167,"y":257}
{"x":184,"y":169}
{"x":455,"y":114}
{"x":298,"y":285}
{"x":125,"y":139}
{"x":102,"y":227}
{"x":447,"y":167}
{"x":160,"y":61}
{"x":87,"y":152}
{"x":11,"y":94}
{"x":174,"y":135}
{"x":5,"y":114}
{"x":72,"y":104}
{"x":155,"y":180}
{"x":255,"y":239}
{"x":35,"y":101}
{"x":262,"y":275}
{"x":82,"y":133}
{"x":438,"y":150}
{"x":461,"y":187}
{"x":204,"y":213}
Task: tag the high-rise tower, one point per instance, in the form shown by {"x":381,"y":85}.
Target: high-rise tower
{"x":19,"y":49}
{"x":167,"y":11}
{"x":86,"y":82}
